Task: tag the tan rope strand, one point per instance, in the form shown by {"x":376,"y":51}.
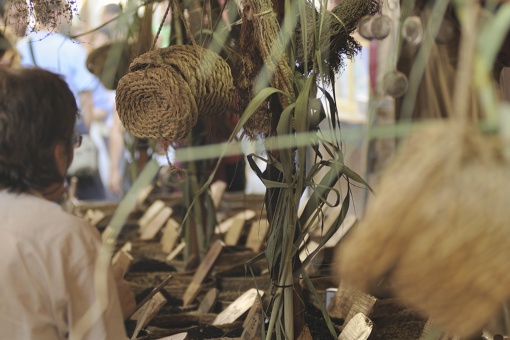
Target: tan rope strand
{"x":161,"y":24}
{"x":185,"y":22}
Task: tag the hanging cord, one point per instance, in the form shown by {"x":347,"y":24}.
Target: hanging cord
{"x":186,"y":26}
{"x":161,"y":25}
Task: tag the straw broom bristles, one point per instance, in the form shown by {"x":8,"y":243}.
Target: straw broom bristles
{"x":438,"y":230}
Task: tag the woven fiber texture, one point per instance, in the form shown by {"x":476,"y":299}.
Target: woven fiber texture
{"x":156,"y":103}
{"x":437,"y":228}
{"x":167,"y":90}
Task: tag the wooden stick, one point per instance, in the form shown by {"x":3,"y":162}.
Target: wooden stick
{"x":151,"y":294}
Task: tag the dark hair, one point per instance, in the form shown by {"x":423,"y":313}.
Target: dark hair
{"x":37,"y":110}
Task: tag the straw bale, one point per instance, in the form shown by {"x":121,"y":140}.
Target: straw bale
{"x":437,"y":228}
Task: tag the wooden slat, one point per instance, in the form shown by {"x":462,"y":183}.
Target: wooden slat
{"x":224,"y":226}
{"x":202,"y":271}
{"x":149,"y":214}
{"x":154,"y":226}
{"x":170,"y":235}
{"x":257,"y":235}
{"x":234,"y":233}
{"x":238,"y":307}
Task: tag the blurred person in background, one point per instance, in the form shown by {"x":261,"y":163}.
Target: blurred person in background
{"x":14,"y":18}
{"x":50,"y":50}
{"x":47,"y":256}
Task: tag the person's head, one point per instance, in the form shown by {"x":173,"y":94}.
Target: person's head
{"x":110,"y":12}
{"x":37,"y":117}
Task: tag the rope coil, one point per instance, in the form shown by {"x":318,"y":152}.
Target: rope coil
{"x":168,"y":89}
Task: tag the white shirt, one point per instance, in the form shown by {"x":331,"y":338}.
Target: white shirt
{"x":47,"y":260}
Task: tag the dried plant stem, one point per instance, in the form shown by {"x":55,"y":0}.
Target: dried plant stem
{"x":469,"y":10}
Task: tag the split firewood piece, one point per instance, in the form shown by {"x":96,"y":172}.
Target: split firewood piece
{"x":202,"y":271}
{"x":359,"y":328}
{"x":179,"y":336}
{"x":147,"y":312}
{"x":154,"y":226}
{"x":122,"y":263}
{"x":143,"y":195}
{"x":234,"y":233}
{"x":348,"y":302}
{"x":252,"y":329}
{"x":180,"y":247}
{"x":94,"y":216}
{"x":254,"y":310}
{"x":149,"y":214}
{"x":170,"y":235}
{"x":224,"y":226}
{"x":127,"y":247}
{"x":306,"y":334}
{"x":237,"y":308}
{"x":146,"y":299}
{"x":209,"y":301}
{"x":217,"y":190}
{"x":257,"y":235}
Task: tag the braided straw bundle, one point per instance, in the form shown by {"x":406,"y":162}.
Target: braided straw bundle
{"x":156,"y":103}
{"x":167,"y":89}
{"x":438,"y":229}
{"x":210,"y":80}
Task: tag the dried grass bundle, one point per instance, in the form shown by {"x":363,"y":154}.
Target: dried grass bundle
{"x":167,"y":89}
{"x":260,"y":38}
{"x":437,"y":228}
{"x":335,"y":41}
{"x":250,"y":63}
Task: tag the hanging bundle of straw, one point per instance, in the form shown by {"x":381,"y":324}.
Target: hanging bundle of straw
{"x":335,"y":41}
{"x":437,"y":228}
{"x":262,"y":55}
{"x":167,"y":90}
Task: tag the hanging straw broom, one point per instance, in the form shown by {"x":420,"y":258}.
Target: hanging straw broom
{"x":438,"y":228}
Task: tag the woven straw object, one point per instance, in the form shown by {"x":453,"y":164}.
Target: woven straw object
{"x":167,"y":90}
{"x":438,"y":228}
